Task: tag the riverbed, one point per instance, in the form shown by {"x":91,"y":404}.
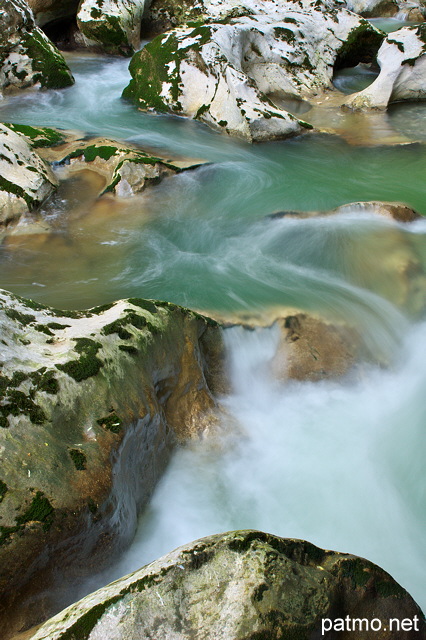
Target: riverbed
{"x":338,"y":463}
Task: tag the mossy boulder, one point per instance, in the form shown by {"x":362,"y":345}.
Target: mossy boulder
{"x":112,"y":26}
{"x":403,"y":9}
{"x":27,"y":57}
{"x":126,"y":170}
{"x":232,"y":70}
{"x":91,"y":405}
{"x":25,"y":179}
{"x":243,"y":585}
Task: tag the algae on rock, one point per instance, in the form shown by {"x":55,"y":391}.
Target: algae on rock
{"x":86,"y":429}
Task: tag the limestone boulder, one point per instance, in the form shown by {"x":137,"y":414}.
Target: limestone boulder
{"x":112,"y":26}
{"x":402,"y":76}
{"x":241,"y":585}
{"x":125,"y":170}
{"x":91,"y":405}
{"x":230,"y":72}
{"x":27,"y":57}
{"x":25,"y":179}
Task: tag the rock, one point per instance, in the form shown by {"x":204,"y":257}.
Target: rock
{"x":403,"y":9}
{"x":27,"y":57}
{"x":241,"y":585}
{"x":25,"y":179}
{"x":402,"y":76}
{"x":226,"y":73}
{"x":126,"y":170}
{"x":113,"y":26}
{"x":392,"y":210}
{"x":389,"y":261}
{"x":312,"y":349}
{"x":46,"y":11}
{"x":92,"y":402}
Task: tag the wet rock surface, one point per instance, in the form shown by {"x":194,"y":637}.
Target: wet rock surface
{"x":238,"y":586}
{"x":92,"y":404}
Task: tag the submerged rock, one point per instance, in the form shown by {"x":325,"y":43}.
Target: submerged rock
{"x":402,"y":76}
{"x":313,"y":349}
{"x":243,"y":585}
{"x":92,"y":402}
{"x":226,"y":72}
{"x":25,"y":179}
{"x":111,"y":25}
{"x":27,"y":57}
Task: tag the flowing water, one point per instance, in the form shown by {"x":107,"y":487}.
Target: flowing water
{"x":338,"y":463}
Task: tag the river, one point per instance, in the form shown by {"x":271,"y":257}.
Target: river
{"x":339,"y":463}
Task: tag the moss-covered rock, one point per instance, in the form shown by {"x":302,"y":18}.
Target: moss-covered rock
{"x":243,"y":585}
{"x":25,"y":179}
{"x":126,"y":170}
{"x":112,"y":26}
{"x":82,"y":423}
{"x":27,"y":57}
{"x":231,"y":71}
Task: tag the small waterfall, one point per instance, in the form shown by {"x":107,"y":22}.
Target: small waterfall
{"x":338,"y":463}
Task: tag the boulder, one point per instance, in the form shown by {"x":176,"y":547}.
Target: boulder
{"x":312,"y":349}
{"x":25,"y":179}
{"x":402,"y":76}
{"x":245,"y":585}
{"x":27,"y":57}
{"x":112,"y":26}
{"x":229,"y":72}
{"x":125,"y":170}
{"x":91,"y":405}
{"x":392,"y":210}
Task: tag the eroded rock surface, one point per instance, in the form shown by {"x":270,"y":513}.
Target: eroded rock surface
{"x":236,"y":586}
{"x":91,"y":405}
{"x":25,"y":179}
{"x":402,"y":76}
{"x":27,"y":57}
{"x":112,"y":25}
{"x":227,"y":72}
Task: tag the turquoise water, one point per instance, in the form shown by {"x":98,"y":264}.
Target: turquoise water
{"x":337,"y":463}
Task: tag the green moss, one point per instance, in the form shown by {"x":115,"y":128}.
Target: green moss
{"x":84,"y":625}
{"x":361,"y":45}
{"x":48,"y":64}
{"x":117,"y":327}
{"x":93,"y":507}
{"x":284,"y":34}
{"x":388,"y":588}
{"x":56,"y":326}
{"x":10,"y":187}
{"x":111,"y":422}
{"x":91,"y":152}
{"x":102,"y":308}
{"x":79,"y":458}
{"x":3,"y":490}
{"x":87,"y":365}
{"x":108,"y":31}
{"x":148,"y":305}
{"x":41,"y":328}
{"x":40,"y":510}
{"x":128,"y":349}
{"x":45,"y":381}
{"x":39,"y":136}
{"x":357,"y":570}
{"x":18,"y":403}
